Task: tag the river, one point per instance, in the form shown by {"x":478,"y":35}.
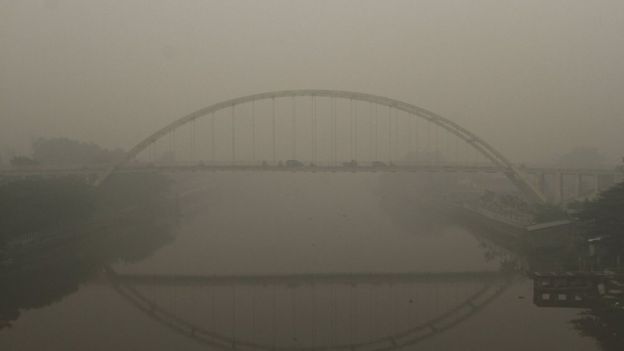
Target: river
{"x":294,"y":261}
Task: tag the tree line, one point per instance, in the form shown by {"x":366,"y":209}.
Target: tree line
{"x":66,"y":152}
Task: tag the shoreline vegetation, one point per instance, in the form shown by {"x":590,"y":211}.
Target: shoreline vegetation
{"x":59,"y":233}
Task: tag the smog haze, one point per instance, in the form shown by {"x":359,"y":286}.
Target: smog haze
{"x":534,"y":78}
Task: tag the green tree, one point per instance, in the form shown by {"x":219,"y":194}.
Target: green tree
{"x":63,"y":151}
{"x":23,"y":161}
{"x":581,"y":157}
{"x":33,"y":206}
{"x":547,"y":213}
{"x":621,"y":167}
{"x":604,"y":217}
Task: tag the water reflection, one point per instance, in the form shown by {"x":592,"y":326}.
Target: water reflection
{"x":191,"y":295}
{"x":605,"y":324}
{"x":600,"y":293}
{"x":46,"y":280}
{"x":598,"y":298}
{"x":311,"y":311}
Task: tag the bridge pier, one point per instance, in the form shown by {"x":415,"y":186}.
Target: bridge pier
{"x":559,"y":188}
{"x":579,"y":185}
{"x":589,"y":184}
{"x":596,"y":184}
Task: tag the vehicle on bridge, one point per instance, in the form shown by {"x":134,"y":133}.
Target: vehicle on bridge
{"x":294,"y":164}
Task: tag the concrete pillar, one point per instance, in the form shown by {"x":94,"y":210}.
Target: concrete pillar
{"x":579,"y":185}
{"x":560,"y":196}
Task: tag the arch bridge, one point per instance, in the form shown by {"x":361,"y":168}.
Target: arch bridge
{"x":320,"y":129}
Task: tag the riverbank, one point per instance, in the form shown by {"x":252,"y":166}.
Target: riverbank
{"x":39,"y":265}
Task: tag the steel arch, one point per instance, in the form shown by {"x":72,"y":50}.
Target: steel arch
{"x":484,"y":148}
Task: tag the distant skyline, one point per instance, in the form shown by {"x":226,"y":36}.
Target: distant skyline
{"x":534,"y":78}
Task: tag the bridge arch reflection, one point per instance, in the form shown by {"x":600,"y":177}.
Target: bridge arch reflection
{"x":326,"y":301}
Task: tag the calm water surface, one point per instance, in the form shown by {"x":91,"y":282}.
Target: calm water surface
{"x":292,"y":261}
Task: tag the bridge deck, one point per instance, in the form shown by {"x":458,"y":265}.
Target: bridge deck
{"x":25,"y":172}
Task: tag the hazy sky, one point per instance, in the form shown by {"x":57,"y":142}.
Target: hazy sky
{"x":533,"y":77}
